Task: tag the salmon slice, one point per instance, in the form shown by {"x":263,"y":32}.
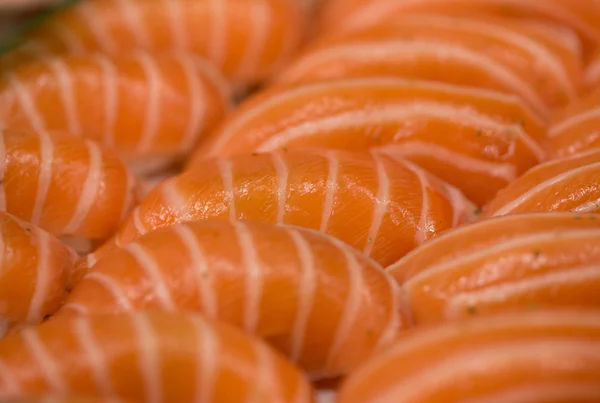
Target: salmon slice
{"x":582,"y":16}
{"x":503,"y":264}
{"x":34,"y":274}
{"x":151,"y":109}
{"x":488,"y":53}
{"x":568,"y":184}
{"x":323,"y":304}
{"x":577,"y":128}
{"x":67,"y":185}
{"x":373,"y":203}
{"x":476,"y":140}
{"x":543,"y":356}
{"x":248,"y":40}
{"x":145,"y":357}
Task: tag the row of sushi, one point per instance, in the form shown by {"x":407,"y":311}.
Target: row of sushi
{"x":409,"y":206}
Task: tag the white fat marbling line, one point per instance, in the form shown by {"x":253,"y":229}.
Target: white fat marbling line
{"x":149,"y":358}
{"x":207,"y":360}
{"x":153,"y":116}
{"x":39,"y":352}
{"x":542,"y":186}
{"x":331,"y":187}
{"x":43,"y":277}
{"x":254,"y":276}
{"x":282,"y":174}
{"x":97,"y":25}
{"x":83,"y":332}
{"x":110,"y":85}
{"x":46,"y":147}
{"x":382,"y":199}
{"x":91,"y":186}
{"x":307,"y":289}
{"x":151,"y":269}
{"x":198,"y":259}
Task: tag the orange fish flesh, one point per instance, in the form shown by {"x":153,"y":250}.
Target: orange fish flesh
{"x":476,"y":140}
{"x":567,"y":184}
{"x":325,"y":305}
{"x":503,"y":264}
{"x":67,"y":185}
{"x":34,"y":275}
{"x":538,"y":356}
{"x":151,"y":109}
{"x":147,"y":357}
{"x":370,"y":201}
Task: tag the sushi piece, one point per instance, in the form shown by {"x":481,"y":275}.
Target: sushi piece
{"x":147,"y":357}
{"x":67,"y":185}
{"x":476,"y":140}
{"x":35,"y":271}
{"x":323,"y":304}
{"x":248,"y":40}
{"x":567,"y":184}
{"x":372,"y":202}
{"x":581,"y":16}
{"x":539,"y":356}
{"x":508,"y":263}
{"x":577,"y":128}
{"x":151,"y":109}
{"x":486,"y":53}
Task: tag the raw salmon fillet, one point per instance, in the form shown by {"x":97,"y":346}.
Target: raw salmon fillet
{"x":34,"y":274}
{"x":568,"y":184}
{"x":541,"y":356}
{"x":152,"y":109}
{"x":322,"y":303}
{"x":577,"y":128}
{"x":582,"y":16}
{"x":147,"y":357}
{"x":502,"y":264}
{"x":476,"y":140}
{"x":487,"y":53}
{"x":372,"y":202}
{"x":248,"y":40}
{"x":67,"y":185}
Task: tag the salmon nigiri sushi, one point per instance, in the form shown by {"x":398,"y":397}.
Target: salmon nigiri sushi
{"x":476,"y":140}
{"x":577,"y":128}
{"x":151,"y":109}
{"x":538,"y":356}
{"x":581,"y":16}
{"x":67,"y":185}
{"x":248,"y":40}
{"x":35,"y":271}
{"x":486,"y":53}
{"x":503,"y":264}
{"x":372,"y":202}
{"x":567,"y":184}
{"x":147,"y":357}
{"x":322,"y":303}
